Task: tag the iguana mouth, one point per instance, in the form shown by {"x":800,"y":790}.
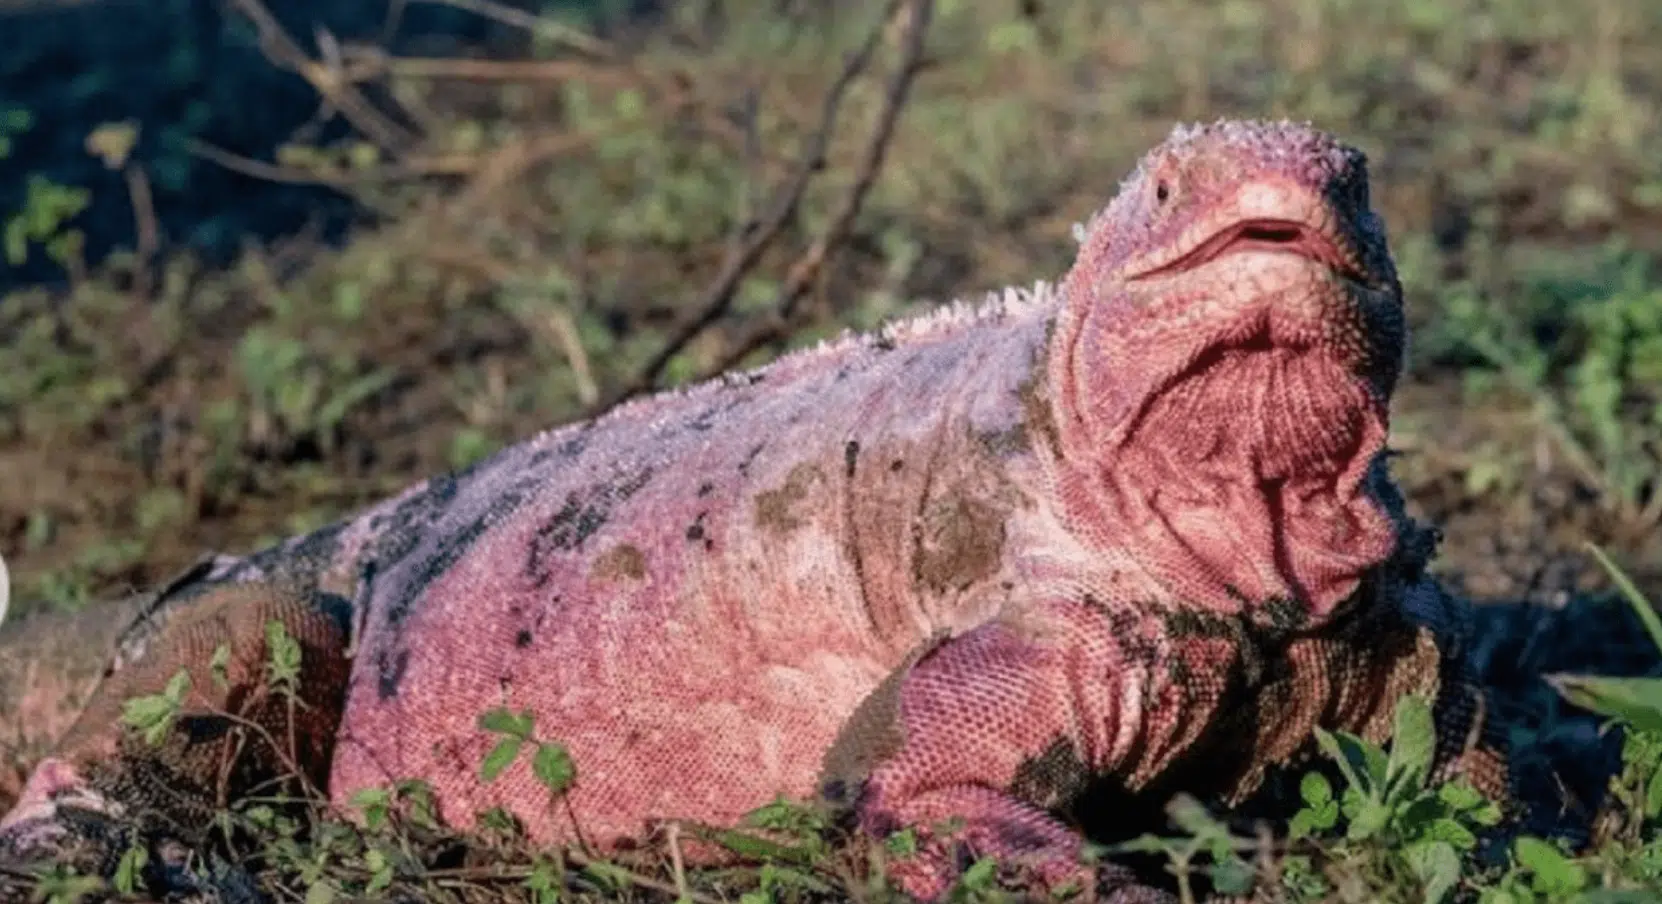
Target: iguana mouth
{"x":1275,"y":235}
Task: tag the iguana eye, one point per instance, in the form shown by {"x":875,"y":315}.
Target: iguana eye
{"x":1162,"y":191}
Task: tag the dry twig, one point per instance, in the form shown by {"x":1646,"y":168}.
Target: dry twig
{"x":328,"y":77}
{"x":807,"y":268}
{"x":758,"y":236}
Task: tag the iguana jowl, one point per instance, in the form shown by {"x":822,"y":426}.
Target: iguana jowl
{"x":1132,"y":526}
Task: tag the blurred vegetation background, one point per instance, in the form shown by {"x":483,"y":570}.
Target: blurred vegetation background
{"x":265,"y":264}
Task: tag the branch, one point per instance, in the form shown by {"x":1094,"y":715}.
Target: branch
{"x":328,"y":77}
{"x":717,"y":300}
{"x":554,"y":31}
{"x":801,"y":275}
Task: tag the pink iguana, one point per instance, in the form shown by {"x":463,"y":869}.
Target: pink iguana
{"x":1134,"y":528}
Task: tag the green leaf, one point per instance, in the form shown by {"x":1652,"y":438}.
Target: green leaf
{"x":1413,"y":743}
{"x":1460,"y":796}
{"x":980,"y":875}
{"x":1362,"y":764}
{"x":1370,"y":820}
{"x":1554,"y":872}
{"x":608,"y":874}
{"x":1630,"y":592}
{"x":757,"y":848}
{"x":220,"y":666}
{"x":283,"y":653}
{"x":499,"y":758}
{"x":1451,"y":832}
{"x":177,"y":687}
{"x":1637,"y":701}
{"x":1232,"y":876}
{"x":1653,"y":794}
{"x":1315,"y":789}
{"x":553,"y":767}
{"x":903,"y":843}
{"x":128,"y":873}
{"x":1437,"y":866}
{"x":501,"y":721}
{"x":374,"y":803}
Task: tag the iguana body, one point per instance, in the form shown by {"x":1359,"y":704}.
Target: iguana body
{"x":1132,"y":527}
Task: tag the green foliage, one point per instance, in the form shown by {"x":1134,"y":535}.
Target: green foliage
{"x":219,"y":405}
{"x":456,"y":331}
{"x":47,"y":205}
{"x":1636,"y":702}
{"x":1581,"y":336}
{"x":550,"y":763}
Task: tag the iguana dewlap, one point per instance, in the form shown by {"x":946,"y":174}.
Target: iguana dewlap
{"x":1133,"y":526}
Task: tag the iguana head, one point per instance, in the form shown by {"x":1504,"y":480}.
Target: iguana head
{"x":1231,"y":334}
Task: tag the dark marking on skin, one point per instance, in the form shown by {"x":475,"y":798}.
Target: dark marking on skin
{"x":418,"y":519}
{"x":336,"y":607}
{"x":1185,"y":622}
{"x":1054,"y":778}
{"x":883,"y":342}
{"x":624,"y":560}
{"x":582,"y":515}
{"x":450,"y":550}
{"x":1034,"y":398}
{"x":301,"y":559}
{"x":1281,"y":616}
{"x":959,"y":540}
{"x":706,"y":419}
{"x":851,"y":453}
{"x":574,"y":447}
{"x":1257,"y":647}
{"x":540,"y":457}
{"x":404,"y":526}
{"x":522,"y":639}
{"x":896,"y":465}
{"x":873,"y":733}
{"x":1124,"y":625}
{"x":744,"y":466}
{"x":389,"y":669}
{"x":705,"y":488}
{"x":575,"y":522}
{"x":697,"y":534}
{"x":776,"y":509}
{"x":1180,"y":673}
{"x":404,"y":531}
{"x":316,"y":550}
{"x":743,"y":379}
{"x":1006,"y":443}
{"x":852,"y":529}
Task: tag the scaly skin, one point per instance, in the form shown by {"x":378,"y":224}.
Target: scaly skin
{"x":1134,"y":530}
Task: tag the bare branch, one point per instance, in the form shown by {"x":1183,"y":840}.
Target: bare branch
{"x":802,"y":274}
{"x":717,"y":300}
{"x":507,"y":15}
{"x":328,"y":77}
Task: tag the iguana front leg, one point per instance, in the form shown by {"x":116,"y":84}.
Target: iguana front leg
{"x":234,"y":731}
{"x":999,"y":726}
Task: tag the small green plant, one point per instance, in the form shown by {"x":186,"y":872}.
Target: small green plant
{"x":1582,"y":339}
{"x":48,"y":206}
{"x":1636,"y":702}
{"x":297,"y":394}
{"x":1388,"y":827}
{"x":550,"y":762}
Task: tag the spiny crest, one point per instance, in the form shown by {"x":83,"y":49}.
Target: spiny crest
{"x":938,"y":322}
